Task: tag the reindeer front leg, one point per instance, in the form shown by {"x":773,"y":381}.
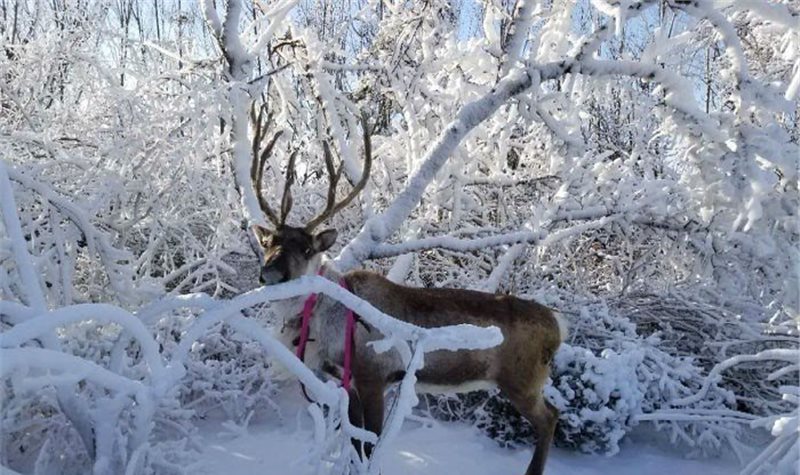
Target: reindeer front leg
{"x":372,"y":401}
{"x":366,"y":411}
{"x":355,"y":411}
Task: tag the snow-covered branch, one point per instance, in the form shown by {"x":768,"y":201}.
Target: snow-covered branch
{"x":453,"y":243}
{"x":212,"y":17}
{"x":73,"y":369}
{"x":276,"y":17}
{"x":114,"y":260}
{"x":165,"y":376}
{"x":379,"y":228}
{"x":28,"y":275}
{"x":517,"y":35}
{"x":784,"y":355}
{"x":101,"y":313}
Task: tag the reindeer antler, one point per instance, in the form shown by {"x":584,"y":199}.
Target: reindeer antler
{"x":260,"y":158}
{"x":334,"y":174}
{"x":286,"y":200}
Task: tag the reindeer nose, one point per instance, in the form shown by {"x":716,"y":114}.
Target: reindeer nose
{"x":271,"y":276}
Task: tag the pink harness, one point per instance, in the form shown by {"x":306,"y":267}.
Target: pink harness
{"x":349,"y":336}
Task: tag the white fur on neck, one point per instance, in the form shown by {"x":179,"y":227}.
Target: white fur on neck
{"x":328,"y":271}
{"x":290,"y":308}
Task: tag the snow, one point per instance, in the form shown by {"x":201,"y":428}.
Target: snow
{"x":433,"y":448}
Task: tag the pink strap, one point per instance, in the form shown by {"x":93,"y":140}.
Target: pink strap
{"x":308,"y":309}
{"x":349,"y":336}
{"x":349,"y":339}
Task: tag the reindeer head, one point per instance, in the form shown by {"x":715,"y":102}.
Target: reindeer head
{"x":290,"y":252}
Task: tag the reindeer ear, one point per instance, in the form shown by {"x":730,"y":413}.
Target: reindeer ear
{"x":324,"y":240}
{"x":262,"y":234}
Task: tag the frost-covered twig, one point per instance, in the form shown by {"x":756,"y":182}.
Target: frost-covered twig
{"x":115,"y":261}
{"x":28,"y":275}
{"x":782,"y":454}
{"x":72,"y":407}
{"x":401,"y":407}
{"x":778,"y":354}
{"x":102,"y":313}
{"x":379,"y":228}
{"x":517,"y":35}
{"x":675,"y":87}
{"x":241,"y":92}
{"x":464,"y":245}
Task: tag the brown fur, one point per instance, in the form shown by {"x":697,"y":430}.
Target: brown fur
{"x":529,"y":329}
{"x":519,"y":366}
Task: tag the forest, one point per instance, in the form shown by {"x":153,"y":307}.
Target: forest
{"x":631,"y":163}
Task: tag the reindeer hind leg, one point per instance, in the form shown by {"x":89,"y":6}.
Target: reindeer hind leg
{"x":543,"y":416}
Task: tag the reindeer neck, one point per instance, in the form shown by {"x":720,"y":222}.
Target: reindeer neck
{"x":323,"y":267}
{"x":327,"y":270}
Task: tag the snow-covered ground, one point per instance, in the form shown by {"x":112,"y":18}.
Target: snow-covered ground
{"x":444,"y":448}
{"x":433,"y":448}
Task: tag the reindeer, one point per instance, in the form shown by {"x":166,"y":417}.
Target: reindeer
{"x":519,"y":366}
